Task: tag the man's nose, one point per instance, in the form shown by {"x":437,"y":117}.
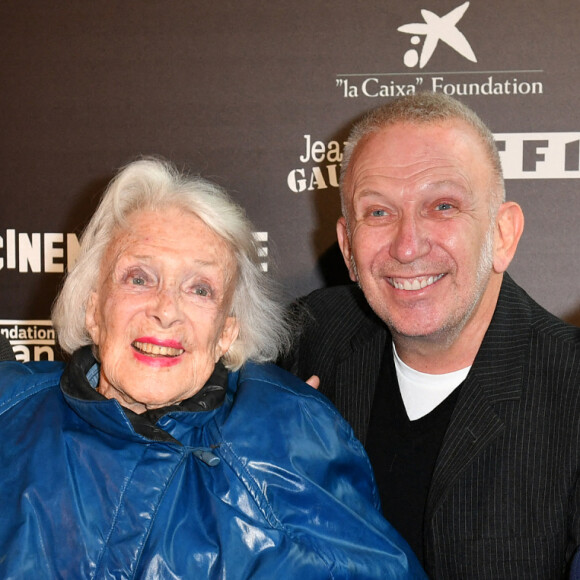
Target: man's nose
{"x":410,"y":240}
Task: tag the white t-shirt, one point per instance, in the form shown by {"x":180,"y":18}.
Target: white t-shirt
{"x":422,"y":392}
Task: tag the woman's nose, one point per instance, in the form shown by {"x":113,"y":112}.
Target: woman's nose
{"x":165,"y":307}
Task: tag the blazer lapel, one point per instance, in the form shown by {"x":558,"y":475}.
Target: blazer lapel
{"x":357,"y":375}
{"x":496,"y":376}
{"x":473,"y":427}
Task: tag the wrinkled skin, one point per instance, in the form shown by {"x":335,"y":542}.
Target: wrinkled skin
{"x":422,"y":241}
{"x":159,"y":316}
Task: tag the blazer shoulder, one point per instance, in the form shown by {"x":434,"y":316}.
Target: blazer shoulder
{"x":338,"y":312}
{"x":547,"y":324}
{"x":548,"y":346}
{"x":517,"y":312}
{"x":327,"y":300}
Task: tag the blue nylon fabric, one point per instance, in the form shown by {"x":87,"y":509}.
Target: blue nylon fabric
{"x":85,"y":496}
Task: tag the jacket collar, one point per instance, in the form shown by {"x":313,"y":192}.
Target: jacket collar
{"x":80,"y":379}
{"x":496,"y":376}
{"x":358,"y":372}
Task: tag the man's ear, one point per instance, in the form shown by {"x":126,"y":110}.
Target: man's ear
{"x":508,"y":231}
{"x":345,"y":248}
{"x":92,"y":317}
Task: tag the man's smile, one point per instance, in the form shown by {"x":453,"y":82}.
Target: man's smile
{"x":414,"y":283}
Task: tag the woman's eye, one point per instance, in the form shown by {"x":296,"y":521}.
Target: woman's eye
{"x":136,"y":277}
{"x":201,"y":291}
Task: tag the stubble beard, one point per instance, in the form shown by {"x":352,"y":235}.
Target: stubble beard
{"x":448,"y":333}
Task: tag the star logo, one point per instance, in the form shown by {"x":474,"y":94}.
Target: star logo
{"x":436,"y":28}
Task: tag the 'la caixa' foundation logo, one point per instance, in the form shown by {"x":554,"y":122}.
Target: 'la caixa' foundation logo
{"x":436,"y":28}
{"x":441,"y":33}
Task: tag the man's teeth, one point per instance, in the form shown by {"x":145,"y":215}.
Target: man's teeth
{"x":415,"y":283}
{"x":157,"y":350}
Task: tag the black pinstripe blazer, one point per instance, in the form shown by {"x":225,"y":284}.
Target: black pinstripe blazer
{"x":504,"y":500}
{"x":6,"y":352}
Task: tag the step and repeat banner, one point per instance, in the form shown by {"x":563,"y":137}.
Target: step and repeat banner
{"x":259,"y":96}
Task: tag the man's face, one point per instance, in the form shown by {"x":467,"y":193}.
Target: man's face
{"x":420,"y":240}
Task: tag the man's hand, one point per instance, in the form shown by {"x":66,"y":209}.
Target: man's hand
{"x":313,"y":381}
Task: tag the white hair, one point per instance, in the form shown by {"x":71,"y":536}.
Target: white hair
{"x":153,"y":184}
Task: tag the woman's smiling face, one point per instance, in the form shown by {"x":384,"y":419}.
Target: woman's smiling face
{"x":160,"y":315}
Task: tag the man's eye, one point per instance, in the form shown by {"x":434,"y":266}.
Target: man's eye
{"x":443,"y":206}
{"x":138,"y":281}
{"x":378,"y":213}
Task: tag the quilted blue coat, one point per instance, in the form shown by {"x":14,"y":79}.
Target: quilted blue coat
{"x":270,"y":485}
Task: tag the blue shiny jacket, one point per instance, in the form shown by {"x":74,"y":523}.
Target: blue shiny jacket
{"x":272,"y":484}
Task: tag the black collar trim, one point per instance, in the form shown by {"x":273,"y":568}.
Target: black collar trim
{"x":75,"y":383}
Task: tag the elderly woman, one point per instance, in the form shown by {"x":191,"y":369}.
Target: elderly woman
{"x":160,"y":451}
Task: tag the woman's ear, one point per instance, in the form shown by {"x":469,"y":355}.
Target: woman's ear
{"x":345,"y":247}
{"x":228,"y":336}
{"x":92,"y":317}
{"x":508,"y":231}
